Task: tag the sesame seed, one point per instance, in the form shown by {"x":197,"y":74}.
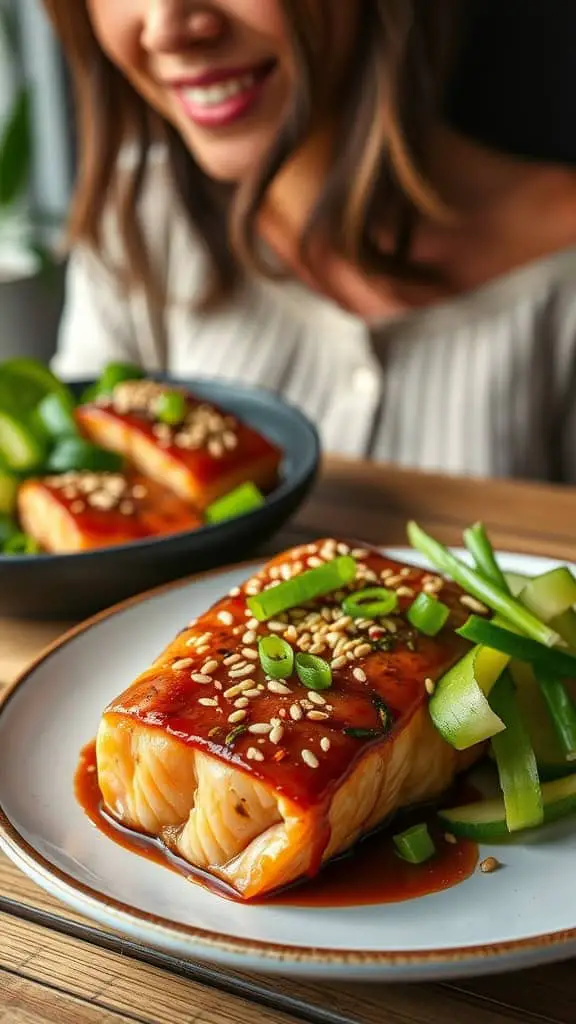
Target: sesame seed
{"x":431,"y":588}
{"x":394,"y":581}
{"x":235,"y":691}
{"x":252,"y":624}
{"x":343,"y":549}
{"x":317,"y":716}
{"x":405,"y":592}
{"x":338,"y":662}
{"x":489,"y":865}
{"x":405,"y":572}
{"x":209,"y":667}
{"x":260,"y":728}
{"x":386,"y":574}
{"x":232,"y":659}
{"x":310,"y":759}
{"x":76,"y":507}
{"x":291,"y":634}
{"x":235,"y":592}
{"x":359,"y":553}
{"x":253,"y":754}
{"x":218,"y":685}
{"x":449,"y":838}
{"x":253,"y":691}
{"x":199,"y":677}
{"x":317,"y":648}
{"x":276,"y":627}
{"x":203,"y":649}
{"x":430,"y":686}
{"x":360,"y":675}
{"x":208,"y":702}
{"x":240,"y":670}
{"x":325,"y":744}
{"x":249,"y":637}
{"x":276,"y":734}
{"x":229,"y":440}
{"x":237,"y":716}
{"x":311,"y":549}
{"x":473,"y":604}
{"x":390,"y":625}
{"x":242,"y":702}
{"x":295,"y":712}
{"x":216,"y":449}
{"x":362,"y":651}
{"x":225,"y":617}
{"x":314,"y":562}
{"x":250,"y":653}
{"x":343,"y":622}
{"x":127,"y":508}
{"x":316,"y":698}
{"x":275,"y":687}
{"x":182,"y":663}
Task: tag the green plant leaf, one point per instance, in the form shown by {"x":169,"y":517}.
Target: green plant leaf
{"x":15,"y":150}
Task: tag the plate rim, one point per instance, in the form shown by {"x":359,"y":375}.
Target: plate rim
{"x":71,"y":890}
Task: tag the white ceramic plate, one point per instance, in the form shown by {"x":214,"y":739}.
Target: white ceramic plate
{"x":522,"y":915}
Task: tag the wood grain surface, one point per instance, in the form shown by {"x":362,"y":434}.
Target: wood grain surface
{"x":56,"y":966}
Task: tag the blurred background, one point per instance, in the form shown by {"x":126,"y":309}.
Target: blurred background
{"x":36,"y":171}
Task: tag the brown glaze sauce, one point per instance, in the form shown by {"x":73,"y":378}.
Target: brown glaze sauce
{"x":371,"y":873}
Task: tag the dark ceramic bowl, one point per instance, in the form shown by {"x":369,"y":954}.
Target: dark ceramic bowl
{"x":73,"y":586}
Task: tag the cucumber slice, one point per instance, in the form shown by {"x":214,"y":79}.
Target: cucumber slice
{"x":8,"y":492}
{"x":73,"y":453}
{"x":459,"y":708}
{"x":550,"y":594}
{"x":552,"y":763}
{"x":30,"y":381}
{"x":516,"y":582}
{"x":485,"y":821}
{"x":8,"y":529}
{"x":20,"y":449}
{"x":55,"y":416}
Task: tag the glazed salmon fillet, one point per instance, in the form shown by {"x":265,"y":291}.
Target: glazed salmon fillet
{"x":81,"y":511}
{"x":257,"y":781}
{"x":201,"y":458}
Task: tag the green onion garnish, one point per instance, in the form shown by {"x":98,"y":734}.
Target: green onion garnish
{"x":477,"y":541}
{"x":516,"y":760}
{"x":234,"y":734}
{"x":427,"y":614}
{"x":238,"y":502}
{"x":171,"y":408}
{"x":305,"y":587}
{"x":20,"y":544}
{"x":562,"y":710}
{"x":372,"y":603}
{"x":362,"y":734}
{"x":415,"y":845}
{"x":480,"y":588}
{"x":314,"y":673}
{"x":552,"y":660}
{"x":276,"y":657}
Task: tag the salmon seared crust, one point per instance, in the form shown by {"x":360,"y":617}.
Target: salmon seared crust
{"x":260,"y":781}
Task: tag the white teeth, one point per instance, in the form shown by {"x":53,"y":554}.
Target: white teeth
{"x":213,"y":95}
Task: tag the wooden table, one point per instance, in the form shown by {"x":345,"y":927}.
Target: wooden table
{"x":57,"y":966}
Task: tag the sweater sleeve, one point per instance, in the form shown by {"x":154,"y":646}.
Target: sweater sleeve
{"x":96,"y":326}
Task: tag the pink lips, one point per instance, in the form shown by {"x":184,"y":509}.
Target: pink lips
{"x":220,"y":113}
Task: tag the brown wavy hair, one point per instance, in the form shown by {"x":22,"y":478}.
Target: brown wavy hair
{"x":388,"y":105}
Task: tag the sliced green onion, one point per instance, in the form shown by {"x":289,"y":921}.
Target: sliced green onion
{"x":238,"y":502}
{"x":313,"y":672}
{"x":551,"y":594}
{"x":303,"y":588}
{"x":116,"y":373}
{"x":8,"y":528}
{"x":427,"y":614}
{"x":55,"y":416}
{"x":550,"y":753}
{"x":171,"y":408}
{"x":482,"y":589}
{"x":485,"y":820}
{"x":74,"y":453}
{"x":20,"y":544}
{"x":276,"y":657}
{"x":478,"y":543}
{"x":8,"y":492}
{"x":234,"y":734}
{"x":371,"y":603}
{"x":362,"y":734}
{"x":459,"y":707}
{"x":552,"y":660}
{"x":516,"y":761}
{"x":415,"y":845}
{"x":562,"y":710}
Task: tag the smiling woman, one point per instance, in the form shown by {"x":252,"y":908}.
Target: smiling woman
{"x":291,"y":192}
